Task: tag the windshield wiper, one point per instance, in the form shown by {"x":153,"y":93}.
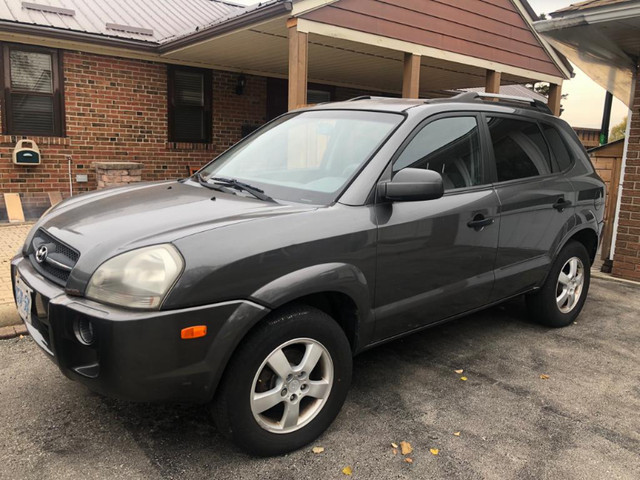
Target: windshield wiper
{"x":233,"y":183}
{"x":211,"y":186}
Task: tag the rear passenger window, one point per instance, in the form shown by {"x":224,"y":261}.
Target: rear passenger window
{"x":519,"y":148}
{"x":449,"y":146}
{"x":558,"y":147}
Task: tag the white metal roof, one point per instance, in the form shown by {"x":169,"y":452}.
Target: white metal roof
{"x":146,"y":20}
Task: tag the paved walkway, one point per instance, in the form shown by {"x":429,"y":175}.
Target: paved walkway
{"x":11,"y":239}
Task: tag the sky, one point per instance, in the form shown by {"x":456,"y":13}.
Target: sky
{"x":584,"y":104}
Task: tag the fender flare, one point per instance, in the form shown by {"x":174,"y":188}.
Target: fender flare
{"x":329,"y":277}
{"x":326,"y":277}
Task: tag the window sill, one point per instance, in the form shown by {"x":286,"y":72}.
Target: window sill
{"x":190,"y":146}
{"x":39,"y":140}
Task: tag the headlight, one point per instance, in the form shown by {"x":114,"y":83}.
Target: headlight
{"x":137,"y":279}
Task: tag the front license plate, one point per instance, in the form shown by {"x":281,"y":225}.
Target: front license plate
{"x":23,"y":300}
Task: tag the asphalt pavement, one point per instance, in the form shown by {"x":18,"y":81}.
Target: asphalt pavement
{"x":582,"y":422}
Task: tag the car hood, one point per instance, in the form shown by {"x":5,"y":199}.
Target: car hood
{"x":103,"y":224}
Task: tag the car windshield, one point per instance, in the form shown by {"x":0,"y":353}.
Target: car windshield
{"x":307,"y":157}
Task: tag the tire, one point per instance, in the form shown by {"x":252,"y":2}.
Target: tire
{"x":553,"y":305}
{"x":255,"y":406}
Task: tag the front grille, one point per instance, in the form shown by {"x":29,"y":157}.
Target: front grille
{"x":59,"y":260}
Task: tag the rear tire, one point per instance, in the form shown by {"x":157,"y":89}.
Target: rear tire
{"x":286,"y":382}
{"x":560,"y":300}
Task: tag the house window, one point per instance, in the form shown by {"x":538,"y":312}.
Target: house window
{"x":32,"y":91}
{"x":189,"y":105}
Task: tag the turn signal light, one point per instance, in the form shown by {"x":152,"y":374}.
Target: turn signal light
{"x":193,"y":332}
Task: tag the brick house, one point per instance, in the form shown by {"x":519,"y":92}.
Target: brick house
{"x":602,"y":39}
{"x":92,"y":82}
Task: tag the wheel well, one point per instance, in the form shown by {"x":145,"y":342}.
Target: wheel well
{"x":589,"y":239}
{"x":338,"y":306}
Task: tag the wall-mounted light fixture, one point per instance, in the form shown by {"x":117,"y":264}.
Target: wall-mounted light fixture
{"x":240,"y":84}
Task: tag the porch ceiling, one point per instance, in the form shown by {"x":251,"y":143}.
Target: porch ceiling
{"x":263,"y":50}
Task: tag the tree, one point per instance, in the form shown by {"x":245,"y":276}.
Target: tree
{"x":618,"y":131}
{"x":542,"y":88}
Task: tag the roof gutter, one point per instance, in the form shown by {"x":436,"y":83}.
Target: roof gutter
{"x":73,"y":36}
{"x":252,"y":17}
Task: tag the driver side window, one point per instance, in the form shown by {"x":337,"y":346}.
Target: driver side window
{"x":449,"y":146}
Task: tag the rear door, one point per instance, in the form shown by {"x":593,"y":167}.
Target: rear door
{"x":536,"y":202}
{"x":433,"y":260}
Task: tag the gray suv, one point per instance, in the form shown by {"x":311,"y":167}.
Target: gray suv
{"x":332,"y":229}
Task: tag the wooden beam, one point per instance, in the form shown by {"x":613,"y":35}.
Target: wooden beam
{"x":492,"y":84}
{"x":555,"y":97}
{"x":298,"y":66}
{"x":411,"y":76}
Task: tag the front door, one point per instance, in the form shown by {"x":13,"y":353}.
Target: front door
{"x":436,"y":257}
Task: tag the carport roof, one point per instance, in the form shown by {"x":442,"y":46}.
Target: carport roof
{"x":602,"y":38}
{"x":588,"y":5}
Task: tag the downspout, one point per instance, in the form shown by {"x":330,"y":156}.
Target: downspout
{"x":623,"y":166}
{"x":606,"y":119}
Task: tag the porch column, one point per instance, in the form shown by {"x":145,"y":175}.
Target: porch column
{"x":492,"y":83}
{"x":555,"y":97}
{"x":298,"y":65}
{"x":411,"y":76}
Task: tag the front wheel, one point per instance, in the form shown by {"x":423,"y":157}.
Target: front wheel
{"x":286,"y":383}
{"x":560,"y":300}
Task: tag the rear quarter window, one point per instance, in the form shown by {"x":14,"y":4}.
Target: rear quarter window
{"x":563,"y":157}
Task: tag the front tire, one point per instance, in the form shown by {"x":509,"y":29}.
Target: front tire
{"x":286,"y":382}
{"x":559,"y":302}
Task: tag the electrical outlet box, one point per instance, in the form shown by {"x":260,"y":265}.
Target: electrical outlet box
{"x":82,"y":178}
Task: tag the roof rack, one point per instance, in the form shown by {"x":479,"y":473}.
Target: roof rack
{"x":470,"y":97}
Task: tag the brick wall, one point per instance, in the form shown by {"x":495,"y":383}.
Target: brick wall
{"x":116,"y":110}
{"x":626,"y":262}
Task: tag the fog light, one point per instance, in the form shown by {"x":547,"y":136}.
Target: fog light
{"x":83,"y":329}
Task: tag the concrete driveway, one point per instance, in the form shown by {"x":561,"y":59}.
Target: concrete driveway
{"x":582,"y":422}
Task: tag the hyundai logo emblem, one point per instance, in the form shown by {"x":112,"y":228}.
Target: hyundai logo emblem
{"x":41,"y":254}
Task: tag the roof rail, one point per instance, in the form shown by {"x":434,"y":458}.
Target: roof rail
{"x":361,"y":97}
{"x":474,"y":96}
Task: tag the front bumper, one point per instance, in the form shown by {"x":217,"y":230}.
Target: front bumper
{"x":136,"y":355}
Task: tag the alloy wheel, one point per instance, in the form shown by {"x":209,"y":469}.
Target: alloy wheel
{"x":292,"y":385}
{"x":570,"y":285}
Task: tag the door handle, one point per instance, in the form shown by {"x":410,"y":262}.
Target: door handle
{"x":479,"y":222}
{"x":561,"y":204}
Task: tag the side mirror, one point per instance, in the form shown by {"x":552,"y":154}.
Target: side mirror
{"x":412,"y":184}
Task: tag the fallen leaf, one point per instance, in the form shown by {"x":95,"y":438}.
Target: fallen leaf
{"x":406,"y":448}
{"x":464,"y":379}
{"x":21,"y":337}
{"x":317,"y":449}
{"x":434,"y":451}
{"x":408,"y":460}
{"x":395,"y":451}
{"x":457,"y":434}
{"x":459,"y":371}
{"x":394,"y":444}
{"x":544,"y":376}
{"x":347,"y":471}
